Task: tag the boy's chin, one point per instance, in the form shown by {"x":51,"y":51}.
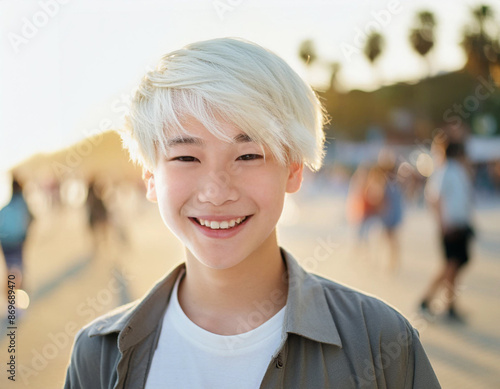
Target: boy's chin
{"x":217,"y":260}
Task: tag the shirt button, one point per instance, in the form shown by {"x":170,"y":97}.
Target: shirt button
{"x":279,"y":363}
{"x":126,"y":331}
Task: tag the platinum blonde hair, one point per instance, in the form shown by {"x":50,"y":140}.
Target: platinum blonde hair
{"x":234,"y":81}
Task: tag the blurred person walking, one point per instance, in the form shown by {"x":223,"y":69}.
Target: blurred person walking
{"x":375,"y":199}
{"x":365,"y":199}
{"x":391,"y":212}
{"x":15,"y":219}
{"x":98,"y":216}
{"x":449,"y":191}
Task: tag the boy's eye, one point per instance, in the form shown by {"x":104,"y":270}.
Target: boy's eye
{"x":249,"y":157}
{"x":185,"y":158}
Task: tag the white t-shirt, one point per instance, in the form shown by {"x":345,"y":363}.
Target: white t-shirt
{"x":451,"y":184}
{"x":188,"y":356}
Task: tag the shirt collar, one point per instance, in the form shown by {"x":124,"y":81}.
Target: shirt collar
{"x":138,"y":319}
{"x":307,"y":313}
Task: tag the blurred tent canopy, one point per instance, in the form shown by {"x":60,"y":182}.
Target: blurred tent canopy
{"x":101,"y":155}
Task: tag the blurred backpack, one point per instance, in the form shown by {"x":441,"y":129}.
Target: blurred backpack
{"x":15,"y":219}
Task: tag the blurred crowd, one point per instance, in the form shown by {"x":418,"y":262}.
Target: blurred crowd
{"x":107,"y":206}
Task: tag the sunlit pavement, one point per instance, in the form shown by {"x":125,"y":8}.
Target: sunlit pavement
{"x":70,"y":286}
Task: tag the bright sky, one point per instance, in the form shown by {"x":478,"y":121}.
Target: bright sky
{"x":65,"y":69}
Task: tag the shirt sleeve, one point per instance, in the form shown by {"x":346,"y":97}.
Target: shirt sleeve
{"x":83,"y":369}
{"x":419,"y":373}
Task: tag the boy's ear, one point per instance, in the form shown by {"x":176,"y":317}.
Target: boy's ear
{"x":149,"y":180}
{"x":294,"y":177}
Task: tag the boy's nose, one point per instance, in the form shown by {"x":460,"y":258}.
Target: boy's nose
{"x":217,"y":188}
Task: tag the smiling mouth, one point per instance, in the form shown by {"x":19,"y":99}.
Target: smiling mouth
{"x":220,"y":224}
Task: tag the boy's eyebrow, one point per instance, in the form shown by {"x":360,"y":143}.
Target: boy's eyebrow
{"x":242,"y":138}
{"x":182,"y":140}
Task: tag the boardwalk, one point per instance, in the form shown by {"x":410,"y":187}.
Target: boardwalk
{"x":68,"y":287}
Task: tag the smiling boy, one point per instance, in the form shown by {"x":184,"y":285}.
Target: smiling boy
{"x":223,"y":129}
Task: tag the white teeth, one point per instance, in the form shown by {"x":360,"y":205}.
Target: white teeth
{"x":223,"y":225}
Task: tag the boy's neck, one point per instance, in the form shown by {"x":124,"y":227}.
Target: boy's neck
{"x":239,"y":299}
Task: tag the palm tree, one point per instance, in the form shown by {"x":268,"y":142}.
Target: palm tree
{"x":307,"y":52}
{"x":481,"y":48}
{"x":334,"y":68}
{"x":374,"y":47}
{"x":482,"y":14}
{"x":422,"y":35}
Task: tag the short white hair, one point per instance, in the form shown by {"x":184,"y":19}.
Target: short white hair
{"x":230,"y":80}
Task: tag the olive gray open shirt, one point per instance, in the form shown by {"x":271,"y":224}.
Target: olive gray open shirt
{"x":333,"y":337}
